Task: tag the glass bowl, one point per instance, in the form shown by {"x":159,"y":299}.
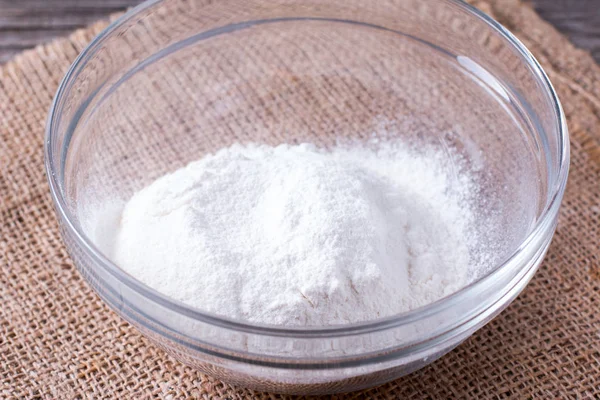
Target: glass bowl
{"x":171,"y":81}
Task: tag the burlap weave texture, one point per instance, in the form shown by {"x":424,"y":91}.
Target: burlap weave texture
{"x":58,"y":340}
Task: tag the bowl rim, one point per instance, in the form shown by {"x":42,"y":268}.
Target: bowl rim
{"x":545,"y":219}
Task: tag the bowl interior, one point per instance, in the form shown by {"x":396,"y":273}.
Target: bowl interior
{"x":172,"y":88}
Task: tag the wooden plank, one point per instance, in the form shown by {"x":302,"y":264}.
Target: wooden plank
{"x":28,"y":38}
{"x":54,"y":4}
{"x":578,"y":19}
{"x":26,"y":23}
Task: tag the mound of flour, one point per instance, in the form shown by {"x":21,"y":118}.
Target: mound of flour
{"x":297,"y":236}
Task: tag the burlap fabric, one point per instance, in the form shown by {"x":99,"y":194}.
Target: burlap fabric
{"x":58,"y":340}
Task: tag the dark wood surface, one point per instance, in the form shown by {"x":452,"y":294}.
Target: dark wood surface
{"x":25,"y":23}
{"x":578,"y":19}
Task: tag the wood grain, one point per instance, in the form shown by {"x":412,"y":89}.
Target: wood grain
{"x":25,"y":23}
{"x":578,"y":19}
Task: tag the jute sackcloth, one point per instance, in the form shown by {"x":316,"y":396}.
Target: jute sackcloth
{"x":58,"y":340}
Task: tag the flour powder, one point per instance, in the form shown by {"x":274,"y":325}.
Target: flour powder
{"x":298,"y":236}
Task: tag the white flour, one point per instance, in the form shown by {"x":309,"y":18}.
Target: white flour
{"x":294,"y":235}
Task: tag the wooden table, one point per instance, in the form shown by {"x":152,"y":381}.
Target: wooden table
{"x":25,"y":23}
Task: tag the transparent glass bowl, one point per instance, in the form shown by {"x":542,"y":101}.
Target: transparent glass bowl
{"x":173,"y":80}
